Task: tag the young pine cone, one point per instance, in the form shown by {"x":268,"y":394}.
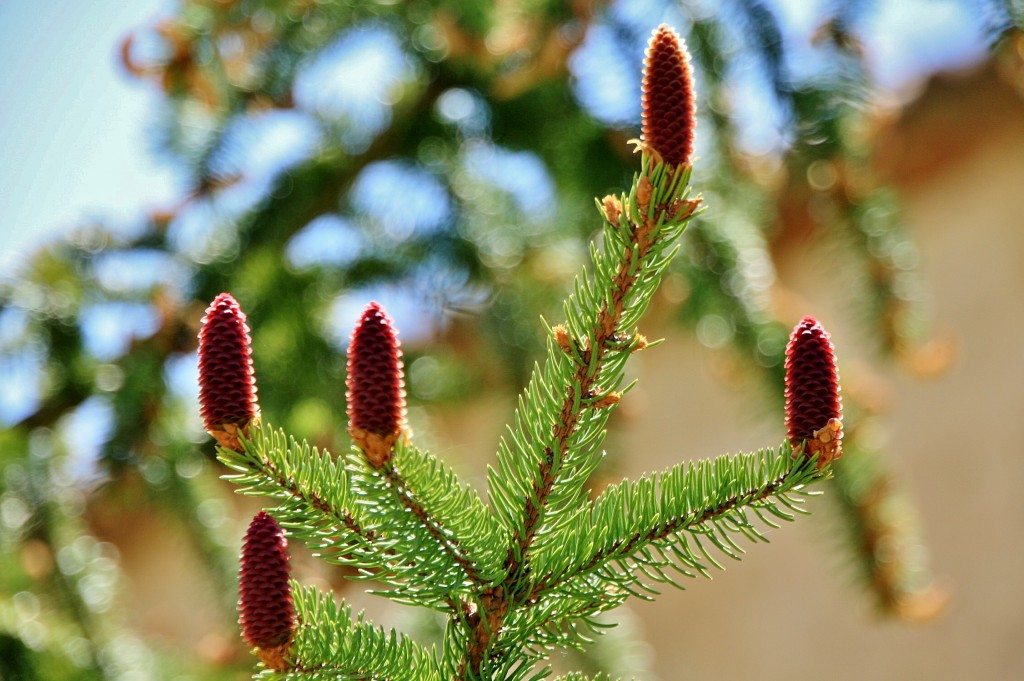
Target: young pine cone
{"x":667,"y":100}
{"x":814,"y":409}
{"x":376,"y":385}
{"x":265,"y":608}
{"x":227,"y":382}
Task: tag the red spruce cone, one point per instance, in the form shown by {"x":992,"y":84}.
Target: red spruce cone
{"x":376,"y":385}
{"x":265,"y":608}
{"x":227,"y":383}
{"x":814,"y":410}
{"x":669,"y":112}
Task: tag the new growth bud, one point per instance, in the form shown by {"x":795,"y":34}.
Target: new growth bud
{"x":814,"y":409}
{"x":669,"y":117}
{"x":265,"y":608}
{"x":562,"y":338}
{"x":376,"y":385}
{"x":612,"y":207}
{"x":227,"y":383}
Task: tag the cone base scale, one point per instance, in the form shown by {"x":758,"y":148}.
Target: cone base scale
{"x":376,"y":447}
{"x":230,"y":435}
{"x":826,"y":445}
{"x":276,"y":657}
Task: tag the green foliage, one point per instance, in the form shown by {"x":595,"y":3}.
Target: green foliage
{"x":332,"y":645}
{"x":622,"y":543}
{"x":323,"y":501}
{"x":632,"y":532}
{"x":588,"y":372}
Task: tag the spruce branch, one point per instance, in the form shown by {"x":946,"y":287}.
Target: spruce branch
{"x":672,"y":524}
{"x":330,"y":645}
{"x":532,"y":571}
{"x":452,"y":512}
{"x":420,"y":485}
{"x":545,"y":460}
{"x":321,"y":504}
{"x":275,"y":465}
{"x":556,"y":425}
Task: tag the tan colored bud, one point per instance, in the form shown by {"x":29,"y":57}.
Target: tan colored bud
{"x":644,"y":191}
{"x":681,"y":209}
{"x":561,"y":334}
{"x":609,"y":400}
{"x":612,"y":209}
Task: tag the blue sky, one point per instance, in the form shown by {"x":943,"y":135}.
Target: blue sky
{"x":73,"y":140}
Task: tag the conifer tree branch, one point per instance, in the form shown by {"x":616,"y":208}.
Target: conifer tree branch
{"x":424,"y":489}
{"x":318,"y":506}
{"x":452,"y":512}
{"x":530,"y":572}
{"x":616,"y":557}
{"x":330,"y":645}
{"x":589,"y":364}
{"x":444,"y":537}
{"x":583,"y":381}
{"x":257,"y":472}
{"x":562,"y":414}
{"x":631,"y":244}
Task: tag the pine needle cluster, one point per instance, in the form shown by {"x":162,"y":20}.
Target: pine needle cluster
{"x":526,"y":568}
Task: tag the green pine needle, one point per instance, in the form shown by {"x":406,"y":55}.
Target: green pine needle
{"x":329,"y":644}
